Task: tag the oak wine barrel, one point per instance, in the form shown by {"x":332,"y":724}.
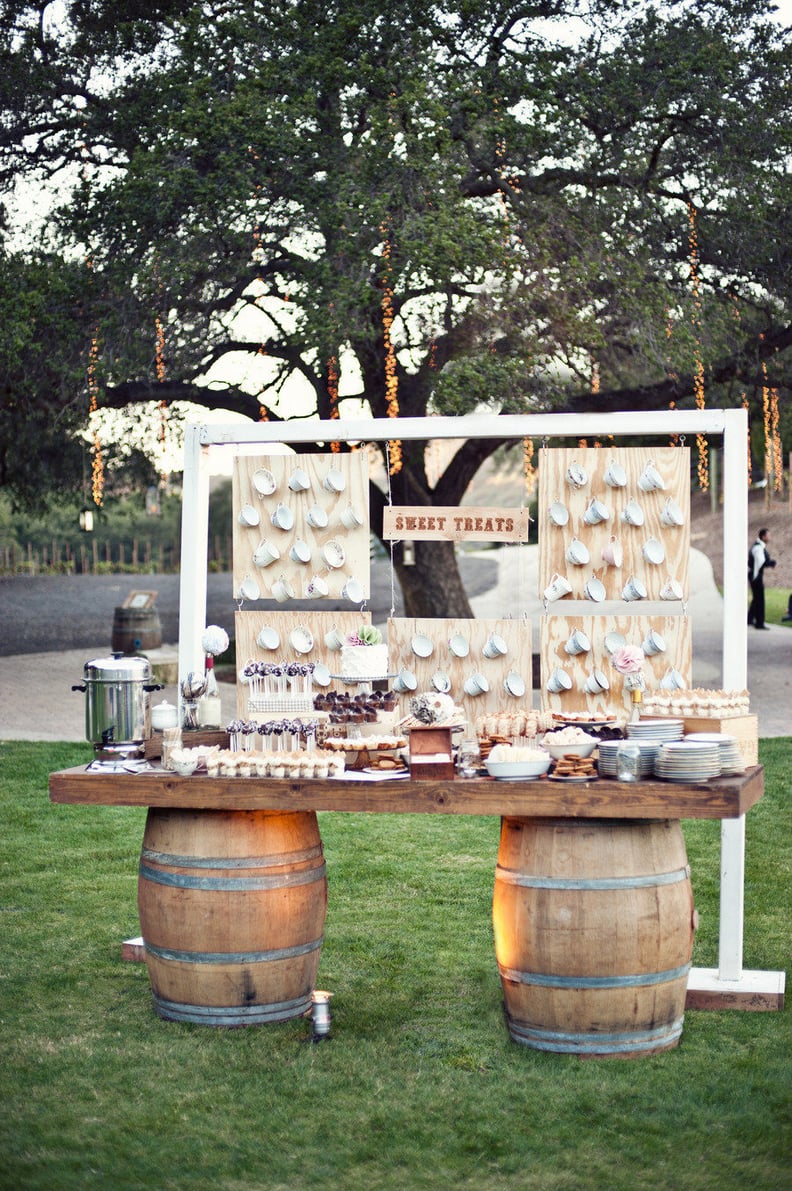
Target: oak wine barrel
{"x":135,"y":630}
{"x":232,"y":908}
{"x":594,"y":923}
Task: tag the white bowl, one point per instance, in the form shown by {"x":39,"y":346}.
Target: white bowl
{"x":185,"y":768}
{"x":518,"y":770}
{"x":582,"y":748}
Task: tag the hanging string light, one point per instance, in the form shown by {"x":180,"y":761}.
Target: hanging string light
{"x":159,"y":370}
{"x":391,"y":379}
{"x":529,"y":470}
{"x":778,"y":462}
{"x":97,"y":460}
{"x":698,"y":364}
{"x":767,"y":424}
{"x":746,"y":407}
{"x":258,"y":255}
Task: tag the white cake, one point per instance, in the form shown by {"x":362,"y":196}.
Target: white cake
{"x":364,"y":661}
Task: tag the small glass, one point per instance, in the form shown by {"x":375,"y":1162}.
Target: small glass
{"x":628,"y":759}
{"x":468,"y":758}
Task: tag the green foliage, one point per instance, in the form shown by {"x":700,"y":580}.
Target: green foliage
{"x":419,"y":1086}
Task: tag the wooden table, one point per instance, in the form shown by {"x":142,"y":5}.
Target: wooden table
{"x":592,"y":911}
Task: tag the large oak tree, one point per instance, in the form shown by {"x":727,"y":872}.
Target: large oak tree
{"x":520,"y":187}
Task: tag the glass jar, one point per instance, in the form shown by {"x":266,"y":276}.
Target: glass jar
{"x":468,"y":757}
{"x":628,"y":759}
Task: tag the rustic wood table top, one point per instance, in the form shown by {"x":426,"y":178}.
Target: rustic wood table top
{"x":599,"y":798}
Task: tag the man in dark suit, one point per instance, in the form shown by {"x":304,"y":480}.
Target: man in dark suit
{"x":758,"y":561}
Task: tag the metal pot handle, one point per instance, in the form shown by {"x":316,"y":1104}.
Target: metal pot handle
{"x":156,"y":686}
{"x":80,"y":687}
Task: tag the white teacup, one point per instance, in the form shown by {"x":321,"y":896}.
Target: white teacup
{"x":405,"y":680}
{"x":268,"y":638}
{"x":283,"y":517}
{"x":299,"y":481}
{"x":317,"y":588}
{"x":495,"y":647}
{"x":475,"y":685}
{"x":671,"y":515}
{"x":653,"y":643}
{"x":595,"y":590}
{"x":633,"y":513}
{"x":672,"y":680}
{"x":351,"y":518}
{"x":558,"y":587}
{"x":633,"y":590}
{"x":577,"y":553}
{"x":558,"y":513}
{"x":459,"y":645}
{"x":650,"y":479}
{"x":576,"y":476}
{"x":597,"y":682}
{"x":333,"y":639}
{"x":559,"y":681}
{"x":248,"y":515}
{"x":282,"y":590}
{"x":249,"y":589}
{"x":264,"y":481}
{"x":615,"y":475}
{"x":671,"y":590}
{"x":577,"y":642}
{"x":334,"y":481}
{"x":653,"y":551}
{"x":300,"y":552}
{"x":316,"y":517}
{"x":596,"y":512}
{"x":265,"y":553}
{"x":612,"y":552}
{"x":352,"y":590}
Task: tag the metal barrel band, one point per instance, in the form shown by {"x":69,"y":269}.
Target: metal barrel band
{"x":231,"y":884}
{"x":622,"y":1042}
{"x":232,"y":1015}
{"x":509,"y":877}
{"x":233,"y":957}
{"x":221,"y":862}
{"x":551,"y":980}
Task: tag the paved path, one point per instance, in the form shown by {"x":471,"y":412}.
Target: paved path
{"x":51,"y":628}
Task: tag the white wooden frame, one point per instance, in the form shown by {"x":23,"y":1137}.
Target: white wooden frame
{"x":729,"y":979}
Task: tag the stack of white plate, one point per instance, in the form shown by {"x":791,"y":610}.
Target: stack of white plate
{"x":680,"y":761}
{"x":607,"y":766}
{"x":657,"y":730}
{"x":731,"y":758}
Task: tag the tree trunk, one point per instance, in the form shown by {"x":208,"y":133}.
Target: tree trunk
{"x":433,"y":587}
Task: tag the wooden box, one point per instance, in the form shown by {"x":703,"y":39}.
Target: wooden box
{"x":430,"y":753}
{"x":744,"y":728}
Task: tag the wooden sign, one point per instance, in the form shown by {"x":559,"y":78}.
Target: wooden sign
{"x":422,"y":523}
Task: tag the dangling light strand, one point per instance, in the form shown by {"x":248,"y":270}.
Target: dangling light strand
{"x":698,"y":364}
{"x":391,"y":379}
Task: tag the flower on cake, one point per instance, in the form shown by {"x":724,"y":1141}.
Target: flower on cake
{"x":366,"y":634}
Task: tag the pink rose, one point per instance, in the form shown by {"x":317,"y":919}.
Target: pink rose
{"x":628,"y":659}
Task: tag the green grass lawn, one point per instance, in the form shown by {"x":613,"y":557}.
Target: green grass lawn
{"x":419,"y":1086}
{"x":776,"y":603}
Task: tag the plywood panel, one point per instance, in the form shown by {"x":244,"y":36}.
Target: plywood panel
{"x":354,"y":542}
{"x":249,"y":624}
{"x":673,"y":464}
{"x":515,"y":633}
{"x":555,"y":631}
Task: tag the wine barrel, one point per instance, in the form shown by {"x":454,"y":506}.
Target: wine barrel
{"x":135,"y":630}
{"x":232,"y":907}
{"x":594,"y":923}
